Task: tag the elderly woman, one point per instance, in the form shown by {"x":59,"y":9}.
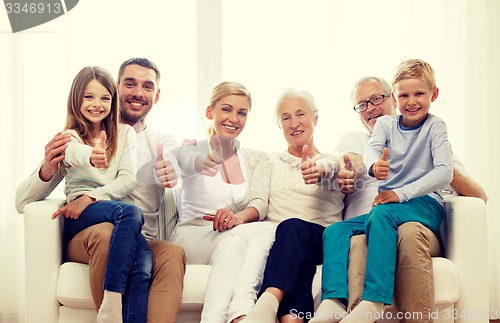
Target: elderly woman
{"x":303,"y":200}
{"x":225,"y":191}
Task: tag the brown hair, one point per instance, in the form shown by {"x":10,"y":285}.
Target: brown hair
{"x":141,"y":61}
{"x":75,"y":119}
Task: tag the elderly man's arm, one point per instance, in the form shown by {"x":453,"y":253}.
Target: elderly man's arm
{"x":466,"y":186}
{"x":351,"y":167}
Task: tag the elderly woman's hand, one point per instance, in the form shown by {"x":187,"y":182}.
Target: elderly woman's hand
{"x":312,"y":172}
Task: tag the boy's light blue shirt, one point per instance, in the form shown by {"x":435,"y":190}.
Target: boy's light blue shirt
{"x":420,"y":158}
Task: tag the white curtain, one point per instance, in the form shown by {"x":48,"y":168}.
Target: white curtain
{"x":322,"y":46}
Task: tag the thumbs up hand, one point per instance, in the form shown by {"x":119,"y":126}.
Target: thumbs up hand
{"x":164,"y":170}
{"x":312,"y":172}
{"x":211,"y":163}
{"x":98,"y":157}
{"x":346,"y":176}
{"x":216,"y":154}
{"x":381,"y":167}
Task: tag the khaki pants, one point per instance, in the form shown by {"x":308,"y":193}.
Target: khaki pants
{"x":91,"y":246}
{"x":414,"y":283}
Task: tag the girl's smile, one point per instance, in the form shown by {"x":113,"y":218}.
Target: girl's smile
{"x":96,"y":104}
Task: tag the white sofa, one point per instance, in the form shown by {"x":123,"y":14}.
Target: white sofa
{"x":57,"y":292}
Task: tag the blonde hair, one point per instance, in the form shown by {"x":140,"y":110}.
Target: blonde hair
{"x":292,"y":93}
{"x":76,"y":121}
{"x":415,"y":68}
{"x":223,"y":90}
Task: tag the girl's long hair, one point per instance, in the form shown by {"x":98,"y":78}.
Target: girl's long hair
{"x":75,"y":119}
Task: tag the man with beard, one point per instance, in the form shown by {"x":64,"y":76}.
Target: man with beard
{"x":138,"y":87}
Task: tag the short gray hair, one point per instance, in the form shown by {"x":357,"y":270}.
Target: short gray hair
{"x":292,"y":93}
{"x":384,"y":83}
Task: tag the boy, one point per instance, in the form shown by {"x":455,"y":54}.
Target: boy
{"x":416,"y":162}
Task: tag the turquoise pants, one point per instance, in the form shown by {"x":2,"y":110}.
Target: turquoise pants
{"x":381,"y":229}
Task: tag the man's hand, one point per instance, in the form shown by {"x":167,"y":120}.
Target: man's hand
{"x":54,"y":154}
{"x":164,"y":170}
{"x":311,"y":172}
{"x":98,"y":157}
{"x":385,"y":197}
{"x":381,"y":167}
{"x":223,"y":219}
{"x":346,"y":176}
{"x":74,"y":209}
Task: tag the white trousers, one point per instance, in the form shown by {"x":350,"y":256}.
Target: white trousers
{"x":238,"y":257}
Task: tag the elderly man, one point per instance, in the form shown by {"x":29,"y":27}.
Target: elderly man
{"x":371,"y":97}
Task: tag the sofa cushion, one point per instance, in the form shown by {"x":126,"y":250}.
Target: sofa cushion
{"x":195,"y":284}
{"x":73,"y":285}
{"x":73,"y":288}
{"x":446,"y":281}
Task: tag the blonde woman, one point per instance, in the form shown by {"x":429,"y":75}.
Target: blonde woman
{"x":225,"y":192}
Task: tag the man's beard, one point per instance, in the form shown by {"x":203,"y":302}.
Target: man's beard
{"x":131,"y":119}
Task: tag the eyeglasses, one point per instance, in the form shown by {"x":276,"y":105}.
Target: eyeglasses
{"x":375,"y":100}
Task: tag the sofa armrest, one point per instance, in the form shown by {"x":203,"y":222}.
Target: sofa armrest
{"x":168,"y":214}
{"x":43,"y":257}
{"x":466,"y":245}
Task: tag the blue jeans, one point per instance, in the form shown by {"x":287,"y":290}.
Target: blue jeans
{"x":381,"y":228}
{"x":129,"y":261}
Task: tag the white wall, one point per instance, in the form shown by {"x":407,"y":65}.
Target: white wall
{"x":37,"y":68}
{"x":322,"y":46}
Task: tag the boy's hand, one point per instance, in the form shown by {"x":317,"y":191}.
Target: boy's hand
{"x":311,"y":172}
{"x":346,"y":176}
{"x":164,"y":170}
{"x":98,"y":157}
{"x":54,"y":154}
{"x":385,"y":197}
{"x":381,"y":167}
{"x":74,"y":209}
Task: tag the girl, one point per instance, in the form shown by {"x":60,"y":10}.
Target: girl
{"x":100,"y":166}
